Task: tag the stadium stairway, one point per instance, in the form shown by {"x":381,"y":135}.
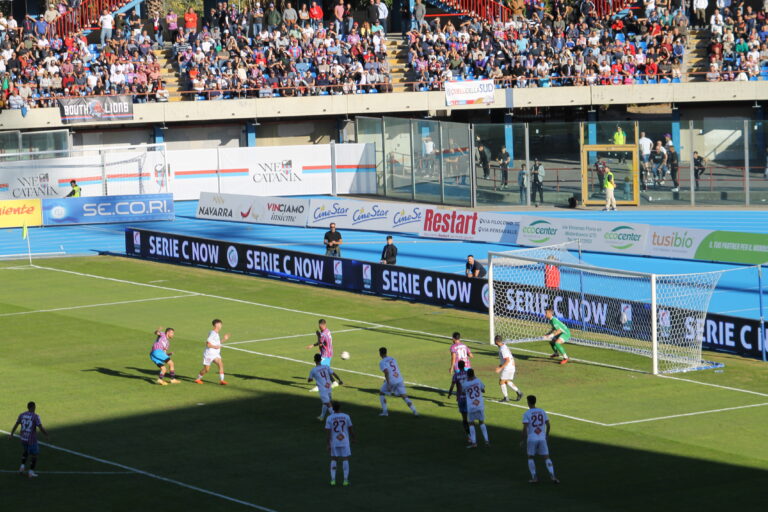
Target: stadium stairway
{"x":696,"y":59}
{"x":397,"y":57}
{"x":169,"y":73}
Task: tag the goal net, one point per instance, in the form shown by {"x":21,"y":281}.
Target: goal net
{"x":638,"y":315}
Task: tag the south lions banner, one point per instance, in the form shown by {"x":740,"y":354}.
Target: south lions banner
{"x":95,"y":108}
{"x":469,"y":92}
{"x":106,"y":209}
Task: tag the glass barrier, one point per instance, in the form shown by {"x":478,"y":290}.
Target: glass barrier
{"x":758,"y":163}
{"x":10,"y":142}
{"x":557,"y":149}
{"x":505,"y":143}
{"x":665,"y":176}
{"x":370,"y":131}
{"x":718,"y":146}
{"x":397,"y":158}
{"x":457,"y":171}
{"x":426,"y":162}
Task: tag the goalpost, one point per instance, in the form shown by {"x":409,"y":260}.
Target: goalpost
{"x":643,"y":316}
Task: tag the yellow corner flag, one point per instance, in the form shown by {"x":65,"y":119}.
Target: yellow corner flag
{"x":24,"y":232}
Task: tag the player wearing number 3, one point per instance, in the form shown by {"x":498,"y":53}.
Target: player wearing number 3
{"x":535,"y":433}
{"x":557,"y":336}
{"x":340,"y":433}
{"x":393,"y":383}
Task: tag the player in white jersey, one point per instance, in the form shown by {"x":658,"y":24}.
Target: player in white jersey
{"x":212,"y":353}
{"x":535,"y":433}
{"x":393,"y":383}
{"x":321,"y":374}
{"x":340,"y":434}
{"x":506,"y":370}
{"x":473,"y":390}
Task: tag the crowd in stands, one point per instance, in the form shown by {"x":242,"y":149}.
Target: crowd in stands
{"x":278,"y":49}
{"x":738,"y":49}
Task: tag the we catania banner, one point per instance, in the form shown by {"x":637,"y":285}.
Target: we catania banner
{"x":95,"y":108}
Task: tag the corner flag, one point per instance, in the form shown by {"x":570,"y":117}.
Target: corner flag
{"x":24,"y":232}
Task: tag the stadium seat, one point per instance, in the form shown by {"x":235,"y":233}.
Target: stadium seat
{"x":620,"y":38}
{"x":675,"y":80}
{"x":664,"y":81}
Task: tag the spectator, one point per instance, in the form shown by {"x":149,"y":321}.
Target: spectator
{"x":483,"y":159}
{"x":338,"y":18}
{"x":537,"y":181}
{"x":619,"y":139}
{"x":389,"y":253}
{"x":333,"y":241}
{"x":257,"y":20}
{"x":645,"y":144}
{"x":419,"y":14}
{"x":157,"y":28}
{"x":107,"y":23}
{"x":474,"y":268}
{"x":522,"y":183}
{"x":658,"y":164}
{"x":609,"y":185}
{"x":673,"y":162}
{"x":290,"y":16}
{"x":349,"y":19}
{"x":405,"y":18}
{"x":372,"y":13}
{"x":383,"y":14}
{"x":504,"y":159}
{"x":190,"y":21}
{"x":698,"y":167}
{"x":315,"y":15}
{"x":172,"y":22}
{"x":304,"y":16}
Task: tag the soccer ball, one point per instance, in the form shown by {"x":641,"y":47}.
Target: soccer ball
{"x":345,"y":355}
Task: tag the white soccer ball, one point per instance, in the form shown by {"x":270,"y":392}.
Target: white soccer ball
{"x":345,"y":355}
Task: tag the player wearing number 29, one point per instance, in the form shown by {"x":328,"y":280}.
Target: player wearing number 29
{"x":506,"y":370}
{"x":473,"y":390}
{"x":393,"y":383}
{"x":558,"y":335}
{"x":340,"y":434}
{"x":29,"y":422}
{"x":535,"y":433}
{"x":322,"y":376}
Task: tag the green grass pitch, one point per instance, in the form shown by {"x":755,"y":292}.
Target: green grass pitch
{"x":78,"y":345}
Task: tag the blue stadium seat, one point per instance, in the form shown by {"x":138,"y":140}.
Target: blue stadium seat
{"x":675,"y":80}
{"x":620,"y":38}
{"x":664,"y":81}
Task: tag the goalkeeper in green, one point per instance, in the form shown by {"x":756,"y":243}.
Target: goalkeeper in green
{"x":557,"y":336}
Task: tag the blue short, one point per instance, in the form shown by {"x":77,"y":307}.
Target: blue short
{"x":159,"y":357}
{"x":326,"y":361}
{"x":31,"y":448}
{"x":462,"y":406}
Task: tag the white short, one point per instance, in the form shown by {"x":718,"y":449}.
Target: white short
{"x":325,"y":395}
{"x":478,"y":415}
{"x":508,"y":373}
{"x":537,"y":447}
{"x":208,"y":357}
{"x":395,"y":389}
{"x":341,"y":451}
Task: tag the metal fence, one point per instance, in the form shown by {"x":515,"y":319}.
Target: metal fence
{"x":722,"y":161}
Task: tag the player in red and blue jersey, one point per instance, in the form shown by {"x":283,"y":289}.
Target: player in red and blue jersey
{"x":161,"y":356}
{"x":459,"y":352}
{"x":457,"y":381}
{"x":29,"y":422}
{"x":325,"y":345}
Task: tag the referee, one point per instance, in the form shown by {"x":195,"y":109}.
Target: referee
{"x":333,"y":241}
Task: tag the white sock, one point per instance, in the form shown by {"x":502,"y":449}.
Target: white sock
{"x":199,"y":376}
{"x":409,"y":404}
{"x":484,"y":430}
{"x":504,"y":390}
{"x":333,"y":470}
{"x":512,"y":387}
{"x":550,"y":468}
{"x":221,"y":376}
{"x":532,"y":468}
{"x":472,"y":434}
{"x":345,"y":467}
{"x":383,"y":401}
{"x":325,"y":410}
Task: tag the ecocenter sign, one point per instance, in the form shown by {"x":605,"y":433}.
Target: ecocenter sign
{"x":594,"y":235}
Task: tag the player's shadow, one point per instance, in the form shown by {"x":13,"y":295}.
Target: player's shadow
{"x":390,"y":398}
{"x":117,"y":373}
{"x":153,"y":374}
{"x":300,"y":383}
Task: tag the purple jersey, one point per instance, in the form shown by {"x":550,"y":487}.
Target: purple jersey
{"x":462,"y":354}
{"x":161,"y":343}
{"x":326,"y":343}
{"x":29,"y":422}
{"x":459,"y":378}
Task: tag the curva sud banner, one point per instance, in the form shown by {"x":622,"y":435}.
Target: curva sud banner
{"x":95,"y":108}
{"x":469,"y":92}
{"x":107,"y":209}
{"x":405,"y":283}
{"x":284,"y":211}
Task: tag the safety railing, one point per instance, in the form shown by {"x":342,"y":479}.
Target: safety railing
{"x":85,"y":16}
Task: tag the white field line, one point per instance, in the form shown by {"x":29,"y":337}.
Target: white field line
{"x":73,"y":472}
{"x":17,"y":313}
{"x":416,"y":384}
{"x":372,"y":324}
{"x":293,"y":336}
{"x":154,"y":476}
{"x":27,"y":267}
{"x":658,"y":418}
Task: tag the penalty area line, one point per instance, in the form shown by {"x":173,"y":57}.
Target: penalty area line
{"x":293,"y":336}
{"x":154,"y":476}
{"x":372,"y":324}
{"x":74,"y":472}
{"x":697,"y":413}
{"x":85,"y":306}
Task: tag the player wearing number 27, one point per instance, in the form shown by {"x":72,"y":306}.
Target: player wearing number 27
{"x":393,"y":383}
{"x":473,"y":390}
{"x":29,"y":422}
{"x":340,"y":433}
{"x":322,"y":376}
{"x":535,"y":433}
{"x":557,"y":336}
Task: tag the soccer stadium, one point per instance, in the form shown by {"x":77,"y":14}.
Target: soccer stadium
{"x":435,"y":255}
